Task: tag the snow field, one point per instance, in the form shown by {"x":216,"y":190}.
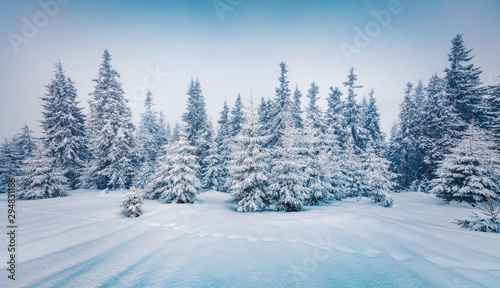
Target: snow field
{"x":84,"y":240}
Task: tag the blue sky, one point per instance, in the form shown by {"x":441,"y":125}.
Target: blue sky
{"x":235,"y":54}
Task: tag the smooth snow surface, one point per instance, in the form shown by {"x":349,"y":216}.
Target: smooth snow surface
{"x":84,"y":240}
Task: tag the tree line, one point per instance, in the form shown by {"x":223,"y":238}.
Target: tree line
{"x":278,"y":153}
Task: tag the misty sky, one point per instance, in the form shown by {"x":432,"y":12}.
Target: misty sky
{"x":235,"y":50}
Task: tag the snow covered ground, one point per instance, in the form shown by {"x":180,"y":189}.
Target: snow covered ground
{"x":85,"y":241}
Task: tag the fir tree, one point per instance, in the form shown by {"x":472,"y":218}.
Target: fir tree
{"x":406,"y":164}
{"x":183,"y":182}
{"x":264,"y":112}
{"x":64,"y":127}
{"x":249,"y":183}
{"x":132,"y":203}
{"x":198,"y":128}
{"x":463,"y":84}
{"x":13,"y":153}
{"x":111,"y":130}
{"x":160,"y":181}
{"x":149,"y":141}
{"x":493,"y":120}
{"x":471,"y":172}
{"x":237,"y":117}
{"x":352,"y":171}
{"x":213,"y":178}
{"x":486,"y":221}
{"x":313,"y":112}
{"x":439,"y":126}
{"x":334,"y":117}
{"x":223,"y":141}
{"x":297,"y":108}
{"x":280,"y":109}
{"x":42,"y":178}
{"x":372,"y":125}
{"x":378,"y":179}
{"x":417,"y":129}
{"x":176,"y":134}
{"x":352,"y":117}
{"x":10,"y":165}
{"x":165,"y":132}
{"x":330,"y":159}
{"x":24,"y":143}
{"x":289,"y":179}
{"x":318,"y":180}
{"x":393,"y":152}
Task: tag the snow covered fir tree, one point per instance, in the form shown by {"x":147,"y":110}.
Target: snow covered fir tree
{"x":132,"y":203}
{"x":288,"y":176}
{"x":248,"y":167}
{"x":112,"y":154}
{"x":64,"y":127}
{"x":485,"y":221}
{"x":14,"y":153}
{"x":42,"y":178}
{"x":151,"y":139}
{"x":471,"y":172}
{"x":175,"y":179}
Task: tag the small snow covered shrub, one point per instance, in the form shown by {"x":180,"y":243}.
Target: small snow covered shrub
{"x":487,"y":221}
{"x":132,"y":204}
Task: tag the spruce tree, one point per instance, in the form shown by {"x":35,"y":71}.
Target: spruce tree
{"x":183,"y":184}
{"x":224,"y":143}
{"x":334,"y":119}
{"x":264,"y":112}
{"x":377,"y":177}
{"x":160,"y":181}
{"x":237,"y":117}
{"x":311,"y":142}
{"x":471,"y":171}
{"x":132,"y":203}
{"x":493,"y":120}
{"x":10,"y":165}
{"x":24,"y":143}
{"x":198,"y":128}
{"x":371,"y":124}
{"x":289,"y":179}
{"x":352,"y":171}
{"x":417,"y":129}
{"x":42,"y":178}
{"x":393,"y":152}
{"x":280,"y":108}
{"x":313,"y":112}
{"x":463,"y":84}
{"x":214,"y":177}
{"x":149,"y":141}
{"x":297,"y":108}
{"x":64,"y":127}
{"x":439,"y":126}
{"x":111,"y":132}
{"x":406,"y":163}
{"x":165,"y":132}
{"x":249,"y":182}
{"x":353,"y":124}
{"x":176,"y":133}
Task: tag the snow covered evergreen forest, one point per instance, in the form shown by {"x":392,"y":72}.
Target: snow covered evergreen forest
{"x":279,"y":154}
{"x":285,"y":152}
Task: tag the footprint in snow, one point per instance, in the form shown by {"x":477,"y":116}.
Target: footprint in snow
{"x":372,"y":253}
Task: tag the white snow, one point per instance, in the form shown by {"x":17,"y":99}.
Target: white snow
{"x":84,"y":240}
